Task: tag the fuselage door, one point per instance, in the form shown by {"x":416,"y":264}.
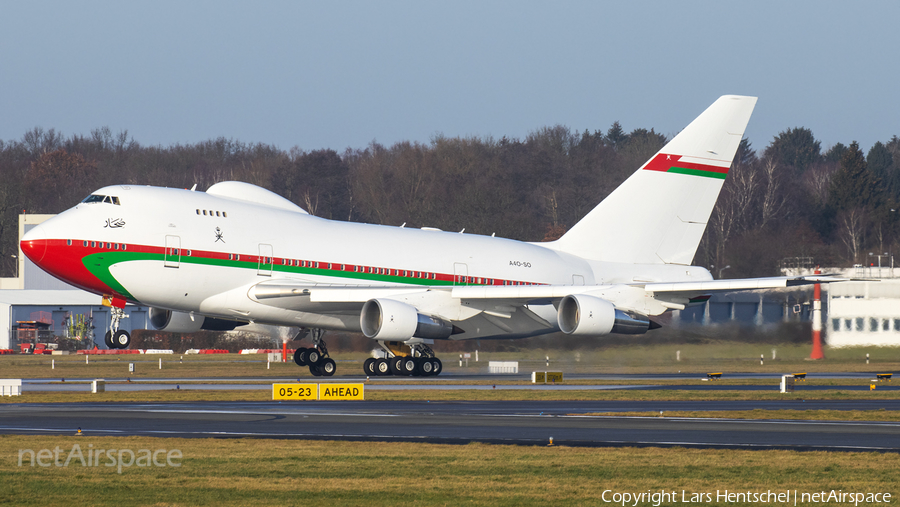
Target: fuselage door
{"x":173,"y":251}
{"x":460,"y":272}
{"x":265,"y":260}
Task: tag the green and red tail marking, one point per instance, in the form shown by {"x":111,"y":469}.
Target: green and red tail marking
{"x":673,"y":164}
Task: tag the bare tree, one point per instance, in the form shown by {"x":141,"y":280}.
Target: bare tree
{"x":817,"y":180}
{"x":773,"y":199}
{"x":851,"y":229}
{"x":731,"y":213}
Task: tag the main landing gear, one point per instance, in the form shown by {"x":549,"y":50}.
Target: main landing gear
{"x":316,"y":358}
{"x":416,"y":360}
{"x":117,"y":338}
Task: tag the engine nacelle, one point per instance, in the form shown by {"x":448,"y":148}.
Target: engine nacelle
{"x":180,"y":322}
{"x":387,"y":319}
{"x":175,"y":322}
{"x":584,"y":315}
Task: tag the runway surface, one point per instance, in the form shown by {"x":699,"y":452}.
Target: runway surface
{"x":510,"y":422}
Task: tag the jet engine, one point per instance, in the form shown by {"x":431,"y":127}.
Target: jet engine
{"x":386,"y":319}
{"x":585,"y":315}
{"x":180,"y":322}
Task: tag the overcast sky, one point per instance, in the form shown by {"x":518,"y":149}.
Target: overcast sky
{"x":342,"y":74}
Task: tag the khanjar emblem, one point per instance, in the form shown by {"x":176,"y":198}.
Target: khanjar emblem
{"x":219,"y":235}
{"x":114,"y":223}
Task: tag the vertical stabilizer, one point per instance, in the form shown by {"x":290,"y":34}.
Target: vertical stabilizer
{"x":658,"y":215}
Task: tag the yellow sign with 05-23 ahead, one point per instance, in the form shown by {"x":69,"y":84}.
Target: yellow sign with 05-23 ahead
{"x":341,"y":391}
{"x":295,"y":392}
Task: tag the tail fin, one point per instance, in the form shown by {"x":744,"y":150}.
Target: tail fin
{"x":658,"y":215}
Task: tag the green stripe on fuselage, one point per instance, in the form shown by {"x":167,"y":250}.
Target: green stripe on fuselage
{"x":99,"y":263}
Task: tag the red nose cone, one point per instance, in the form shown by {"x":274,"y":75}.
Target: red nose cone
{"x":34,"y":245}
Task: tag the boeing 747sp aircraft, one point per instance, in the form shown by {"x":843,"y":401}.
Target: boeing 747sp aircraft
{"x":237,"y":254}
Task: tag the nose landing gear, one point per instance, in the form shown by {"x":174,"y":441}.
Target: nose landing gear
{"x":117,"y":338}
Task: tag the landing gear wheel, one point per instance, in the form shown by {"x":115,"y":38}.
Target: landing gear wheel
{"x":300,"y":356}
{"x":314,"y":370}
{"x":424,"y":366}
{"x":313,"y":356}
{"x":438,"y":366}
{"x":121,"y":339}
{"x":107,"y":339}
{"x":395,"y":365}
{"x":369,"y":367}
{"x":327,"y":367}
{"x":382,"y":368}
{"x":408,"y":366}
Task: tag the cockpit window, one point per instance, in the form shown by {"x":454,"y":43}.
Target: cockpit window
{"x":111,"y":199}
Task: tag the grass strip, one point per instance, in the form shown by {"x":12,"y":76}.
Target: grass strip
{"x":264,"y":472}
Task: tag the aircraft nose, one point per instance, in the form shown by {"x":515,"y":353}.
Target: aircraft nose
{"x":34,"y":244}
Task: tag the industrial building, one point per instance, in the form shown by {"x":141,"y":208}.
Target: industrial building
{"x":863,"y":314}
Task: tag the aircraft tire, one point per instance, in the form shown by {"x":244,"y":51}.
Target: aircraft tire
{"x":314,"y":370}
{"x":313,"y":356}
{"x":408,"y":367}
{"x":382,"y":369}
{"x":107,"y":339}
{"x":426,"y":369}
{"x":121,"y":339}
{"x":438,"y":366}
{"x":369,"y":367}
{"x":327,"y":367}
{"x":300,"y":356}
{"x":395,"y":364}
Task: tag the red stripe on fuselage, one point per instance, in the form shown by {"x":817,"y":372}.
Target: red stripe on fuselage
{"x":65,"y":262}
{"x":663,"y":163}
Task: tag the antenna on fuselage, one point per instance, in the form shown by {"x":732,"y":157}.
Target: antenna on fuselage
{"x":194,"y":187}
{"x":403,"y":225}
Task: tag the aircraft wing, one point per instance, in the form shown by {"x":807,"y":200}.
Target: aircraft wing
{"x":516,"y":294}
{"x":552,"y":292}
{"x":738,"y":284}
{"x":505,"y":302}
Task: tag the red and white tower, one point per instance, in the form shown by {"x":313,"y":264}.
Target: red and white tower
{"x":817,"y":320}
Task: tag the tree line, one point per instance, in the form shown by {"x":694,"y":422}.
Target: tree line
{"x":792,"y":199}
